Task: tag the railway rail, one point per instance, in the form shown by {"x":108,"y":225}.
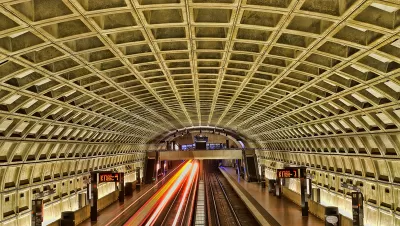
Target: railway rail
{"x":225,"y":208}
{"x":181,"y":208}
{"x":172,"y":204}
{"x":175,"y":202}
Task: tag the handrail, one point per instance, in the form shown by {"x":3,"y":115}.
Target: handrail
{"x":245,"y":149}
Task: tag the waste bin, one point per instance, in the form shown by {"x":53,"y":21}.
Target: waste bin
{"x":129,"y":189}
{"x":263,"y":184}
{"x":67,"y":218}
{"x":271,"y":186}
{"x":278,"y":190}
{"x":332,"y":216}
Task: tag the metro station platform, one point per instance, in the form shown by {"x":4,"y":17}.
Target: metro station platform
{"x":115,"y":213}
{"x":118,"y":213}
{"x":282,"y":210}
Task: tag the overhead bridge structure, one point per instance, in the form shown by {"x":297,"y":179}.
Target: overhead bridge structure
{"x":201,"y":154}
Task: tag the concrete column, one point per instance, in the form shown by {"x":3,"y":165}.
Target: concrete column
{"x":121,"y":187}
{"x":278,"y":187}
{"x":303,"y":193}
{"x":94,"y":196}
{"x":138,"y":175}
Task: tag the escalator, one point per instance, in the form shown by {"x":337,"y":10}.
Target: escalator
{"x":252,"y":174}
{"x":150,"y":170}
{"x":250,"y":165}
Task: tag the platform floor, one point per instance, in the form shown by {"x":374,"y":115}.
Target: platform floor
{"x":116,"y":209}
{"x":285,"y":212}
{"x":118,"y":213}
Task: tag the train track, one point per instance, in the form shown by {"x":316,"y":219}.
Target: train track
{"x":179,"y":210}
{"x":225,"y":206}
{"x":172,"y":204}
{"x":171,"y":211}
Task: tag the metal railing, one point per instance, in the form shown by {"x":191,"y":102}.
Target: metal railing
{"x":246,"y":149}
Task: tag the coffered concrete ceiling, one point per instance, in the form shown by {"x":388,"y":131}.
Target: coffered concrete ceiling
{"x":128,"y":71}
{"x":88,"y":84}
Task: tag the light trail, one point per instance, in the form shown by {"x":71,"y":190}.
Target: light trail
{"x":140,"y":216}
{"x":186,"y":192}
{"x":133,"y":203}
{"x":167,"y":197}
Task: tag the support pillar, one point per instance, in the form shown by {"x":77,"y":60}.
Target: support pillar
{"x":165,"y":167}
{"x":121,"y":188}
{"x":304,"y":196}
{"x":357,"y":203}
{"x":138,"y":175}
{"x":173,"y":145}
{"x":262,"y":173}
{"x":138,"y":179}
{"x":168,"y":146}
{"x":94,"y":196}
{"x":157,"y":165}
{"x":37,"y":212}
{"x":227,"y":143}
{"x":278,"y":187}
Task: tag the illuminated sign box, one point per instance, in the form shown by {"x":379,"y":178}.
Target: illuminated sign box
{"x":108,"y":177}
{"x":287,"y":173}
{"x":201,"y":139}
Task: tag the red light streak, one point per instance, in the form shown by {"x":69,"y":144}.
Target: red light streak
{"x":168,"y":196}
{"x":148,"y":207}
{"x":186,"y":192}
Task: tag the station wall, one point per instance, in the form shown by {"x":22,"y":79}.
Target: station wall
{"x":64,"y":167}
{"x":377,"y":178}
